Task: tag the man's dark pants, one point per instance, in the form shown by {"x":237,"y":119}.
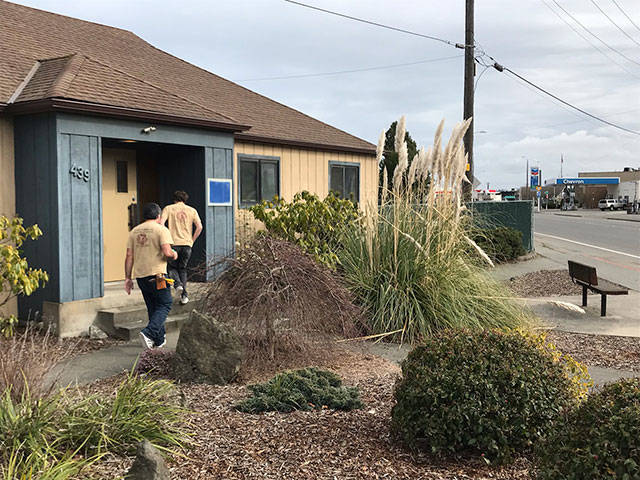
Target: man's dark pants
{"x":158,"y":306}
{"x":178,"y":268}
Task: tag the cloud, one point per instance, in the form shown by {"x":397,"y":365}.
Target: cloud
{"x":260,"y":38}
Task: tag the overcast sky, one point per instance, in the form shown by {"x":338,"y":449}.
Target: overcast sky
{"x":244,"y":40}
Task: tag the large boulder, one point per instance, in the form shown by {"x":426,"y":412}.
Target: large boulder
{"x":148,"y":465}
{"x":207,"y":351}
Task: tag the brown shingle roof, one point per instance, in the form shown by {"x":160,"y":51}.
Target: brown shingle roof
{"x":94,"y":63}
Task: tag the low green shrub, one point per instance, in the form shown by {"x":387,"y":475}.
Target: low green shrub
{"x":501,"y":244}
{"x":599,"y":439}
{"x":486,"y":393}
{"x":309,"y":222}
{"x":306,"y":389}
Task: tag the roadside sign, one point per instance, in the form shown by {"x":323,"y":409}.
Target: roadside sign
{"x":538,"y":193}
{"x":538,"y":188}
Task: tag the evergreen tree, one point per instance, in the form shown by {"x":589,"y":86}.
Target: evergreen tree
{"x":390,"y":156}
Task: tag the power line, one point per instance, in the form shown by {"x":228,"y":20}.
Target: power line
{"x":586,"y":39}
{"x":602,"y":120}
{"x":495,"y":65}
{"x":340,"y":72}
{"x":615,"y":24}
{"x":625,"y":14}
{"x":382,"y":25}
{"x":594,"y":35}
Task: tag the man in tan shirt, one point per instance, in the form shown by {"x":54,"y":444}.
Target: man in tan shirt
{"x":182,"y":219}
{"x":148,"y":248}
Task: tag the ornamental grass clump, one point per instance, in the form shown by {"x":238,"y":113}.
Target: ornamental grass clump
{"x":412,"y":263}
{"x":483,"y":393}
{"x":599,"y":439}
{"x":306,"y":389}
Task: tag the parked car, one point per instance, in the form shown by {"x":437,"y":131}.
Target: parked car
{"x":611,"y":204}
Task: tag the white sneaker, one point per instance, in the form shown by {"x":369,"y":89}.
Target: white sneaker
{"x":179,"y":289}
{"x":164,"y":342}
{"x":184,"y":300}
{"x":147,"y":343}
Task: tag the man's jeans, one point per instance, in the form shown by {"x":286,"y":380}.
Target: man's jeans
{"x":158,"y":307}
{"x":178,"y":268}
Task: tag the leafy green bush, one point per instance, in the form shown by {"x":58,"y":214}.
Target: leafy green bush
{"x":309,"y":222}
{"x":487,"y":393}
{"x":16,"y":277}
{"x":599,"y":439}
{"x":306,"y":389}
{"x":501,"y":244}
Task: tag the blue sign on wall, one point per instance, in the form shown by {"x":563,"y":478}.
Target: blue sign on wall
{"x":588,"y":181}
{"x":219,"y":192}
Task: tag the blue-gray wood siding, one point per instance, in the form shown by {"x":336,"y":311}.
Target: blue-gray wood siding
{"x":37,"y":201}
{"x":220,"y":225}
{"x":80,"y":218}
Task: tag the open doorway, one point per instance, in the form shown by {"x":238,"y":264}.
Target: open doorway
{"x":135,"y":173}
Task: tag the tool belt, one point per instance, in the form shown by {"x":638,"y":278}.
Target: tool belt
{"x":161,"y":280}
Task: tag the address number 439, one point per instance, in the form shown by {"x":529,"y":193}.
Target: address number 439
{"x":80,"y":173}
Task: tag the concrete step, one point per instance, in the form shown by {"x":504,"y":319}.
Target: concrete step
{"x":130,"y":331}
{"x":126,"y":321}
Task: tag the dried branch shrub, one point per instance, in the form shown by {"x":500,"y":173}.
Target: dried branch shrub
{"x":280,"y":300}
{"x":27,"y":362}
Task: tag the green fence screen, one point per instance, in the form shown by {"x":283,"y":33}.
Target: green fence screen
{"x":517,"y":214}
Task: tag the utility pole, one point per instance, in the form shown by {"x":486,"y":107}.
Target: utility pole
{"x":469,"y":74}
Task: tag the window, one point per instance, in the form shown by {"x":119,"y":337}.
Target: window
{"x":122,"y":177}
{"x":344,"y":180}
{"x":259,"y":179}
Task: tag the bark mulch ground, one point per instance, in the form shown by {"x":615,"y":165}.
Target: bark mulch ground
{"x":609,"y":351}
{"x":544,"y":283}
{"x":323,"y":444}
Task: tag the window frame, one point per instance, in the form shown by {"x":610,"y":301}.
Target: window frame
{"x":259,"y":160}
{"x":124,"y":163}
{"x":357,"y":166}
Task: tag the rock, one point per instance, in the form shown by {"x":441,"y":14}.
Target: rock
{"x":148,"y":465}
{"x":96,"y":334}
{"x":207,"y":351}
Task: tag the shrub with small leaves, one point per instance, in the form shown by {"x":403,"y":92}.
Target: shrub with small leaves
{"x":489,"y":393}
{"x":306,"y":389}
{"x":309,"y":222}
{"x":502,"y":244}
{"x":16,"y":277}
{"x":599,"y":439}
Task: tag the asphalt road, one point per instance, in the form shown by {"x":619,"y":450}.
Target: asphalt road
{"x":594,"y":238}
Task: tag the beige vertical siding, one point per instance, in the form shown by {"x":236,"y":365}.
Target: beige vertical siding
{"x":303,"y":169}
{"x":7,"y":184}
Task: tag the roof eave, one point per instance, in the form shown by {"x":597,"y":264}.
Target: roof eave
{"x":75,"y":106}
{"x":308,"y":145}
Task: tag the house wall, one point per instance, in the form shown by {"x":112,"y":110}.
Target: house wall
{"x":69,"y":208}
{"x":7,"y":185}
{"x":303,"y":169}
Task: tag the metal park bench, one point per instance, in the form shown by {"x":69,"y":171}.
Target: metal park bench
{"x":586,"y":277}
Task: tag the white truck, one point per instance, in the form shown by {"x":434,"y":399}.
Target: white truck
{"x":610,"y":204}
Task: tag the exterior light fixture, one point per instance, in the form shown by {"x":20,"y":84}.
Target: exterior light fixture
{"x":148,"y":130}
